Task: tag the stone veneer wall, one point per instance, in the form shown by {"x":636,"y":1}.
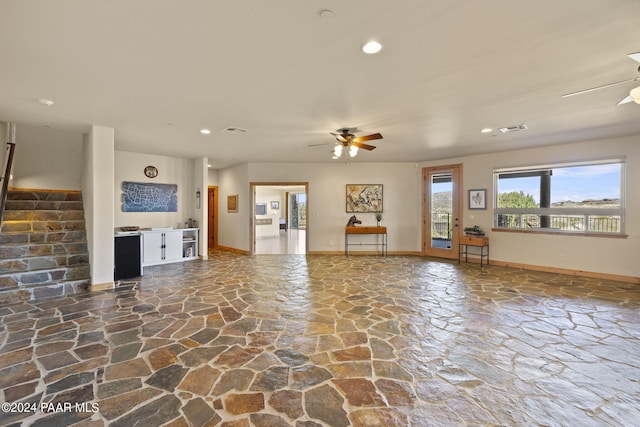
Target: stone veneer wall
{"x":43,"y":246}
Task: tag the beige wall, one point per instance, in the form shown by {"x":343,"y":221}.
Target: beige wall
{"x":47,"y":159}
{"x":130,"y":167}
{"x":594,"y":254}
{"x":327,"y":216}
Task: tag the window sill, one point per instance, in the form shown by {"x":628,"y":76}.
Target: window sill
{"x":559,"y":233}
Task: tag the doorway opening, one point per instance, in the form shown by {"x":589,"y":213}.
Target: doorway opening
{"x":279,"y":219}
{"x":442,"y":207}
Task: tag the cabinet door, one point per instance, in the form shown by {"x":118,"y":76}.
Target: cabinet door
{"x":152,"y":248}
{"x":173,"y":242}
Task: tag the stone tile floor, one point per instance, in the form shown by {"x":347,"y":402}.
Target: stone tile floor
{"x":294,"y":340}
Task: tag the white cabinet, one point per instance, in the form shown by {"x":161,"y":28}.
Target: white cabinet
{"x":189,"y":243}
{"x":161,"y":246}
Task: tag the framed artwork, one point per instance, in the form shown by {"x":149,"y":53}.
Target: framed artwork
{"x":147,"y":197}
{"x":478,"y":199}
{"x":261,"y":208}
{"x":275,"y":205}
{"x":364,"y":198}
{"x":232,"y":203}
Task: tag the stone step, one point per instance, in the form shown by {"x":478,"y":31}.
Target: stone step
{"x":33,"y":279}
{"x":20,"y":251}
{"x":43,"y":215}
{"x":48,"y":290}
{"x":13,"y":205}
{"x":44,"y":195}
{"x":36,"y":263}
{"x":27,"y":226}
{"x":65,"y":236}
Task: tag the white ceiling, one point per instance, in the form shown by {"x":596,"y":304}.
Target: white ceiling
{"x":160,"y":70}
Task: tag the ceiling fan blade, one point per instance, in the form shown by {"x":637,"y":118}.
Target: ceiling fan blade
{"x":367,"y":138}
{"x":626,"y":100}
{"x":634,"y":56}
{"x":580,"y":92}
{"x":318,"y":145}
{"x":339,"y":137}
{"x":363,"y":146}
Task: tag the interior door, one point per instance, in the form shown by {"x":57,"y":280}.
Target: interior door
{"x":442,"y":209}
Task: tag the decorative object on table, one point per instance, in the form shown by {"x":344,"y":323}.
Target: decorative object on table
{"x":232,"y":203}
{"x":364,"y":198}
{"x":275,"y":205}
{"x":353,"y":221}
{"x":130,"y":228}
{"x":473,"y":231}
{"x":147,"y":197}
{"x":379,"y":218}
{"x":478,"y":199}
{"x":150,"y":171}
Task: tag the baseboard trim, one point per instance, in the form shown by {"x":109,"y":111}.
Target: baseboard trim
{"x":233,"y":250}
{"x":580,"y":273}
{"x":44,"y":189}
{"x":360,"y":253}
{"x":102,"y":286}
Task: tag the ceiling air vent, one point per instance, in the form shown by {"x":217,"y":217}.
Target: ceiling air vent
{"x":234,"y":130}
{"x":514,"y":128}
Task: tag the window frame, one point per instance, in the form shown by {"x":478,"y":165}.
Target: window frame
{"x":586,"y":213}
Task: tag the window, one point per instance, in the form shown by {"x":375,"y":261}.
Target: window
{"x":585,"y":198}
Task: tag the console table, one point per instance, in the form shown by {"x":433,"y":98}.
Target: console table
{"x":477,"y":241}
{"x":366,"y":230}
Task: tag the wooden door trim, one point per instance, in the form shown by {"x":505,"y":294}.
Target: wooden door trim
{"x":214,"y":206}
{"x":252,"y":195}
{"x":457,"y":192}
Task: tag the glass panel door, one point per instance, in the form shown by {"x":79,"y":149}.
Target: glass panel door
{"x":441,"y":210}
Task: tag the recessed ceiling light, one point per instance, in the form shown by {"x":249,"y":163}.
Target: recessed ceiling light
{"x":372,"y":47}
{"x":46,"y":102}
{"x":205,"y":131}
{"x":486,"y":130}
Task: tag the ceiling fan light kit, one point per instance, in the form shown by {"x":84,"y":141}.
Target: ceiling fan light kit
{"x":635,"y":94}
{"x":346,"y":139}
{"x":372,"y":47}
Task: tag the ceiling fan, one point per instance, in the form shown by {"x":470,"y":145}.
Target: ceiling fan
{"x":634,"y":94}
{"x":347,"y":141}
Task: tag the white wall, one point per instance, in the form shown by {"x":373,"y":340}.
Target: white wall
{"x":616,"y":256}
{"x":130,"y":167}
{"x":326,"y":200}
{"x":233,"y":228}
{"x":267,"y":195}
{"x":47,"y":159}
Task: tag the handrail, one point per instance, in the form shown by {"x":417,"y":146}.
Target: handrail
{"x":11,"y":146}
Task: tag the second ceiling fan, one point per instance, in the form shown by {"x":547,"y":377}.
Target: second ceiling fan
{"x":634,"y":94}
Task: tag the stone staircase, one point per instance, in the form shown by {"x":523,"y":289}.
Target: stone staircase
{"x":43,"y":246}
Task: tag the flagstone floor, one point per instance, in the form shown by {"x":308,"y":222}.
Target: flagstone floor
{"x":294,"y":340}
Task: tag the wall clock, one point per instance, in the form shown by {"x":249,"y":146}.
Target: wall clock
{"x":150,"y":172}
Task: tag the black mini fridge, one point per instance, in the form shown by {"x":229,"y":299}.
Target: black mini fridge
{"x":127,"y":257}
